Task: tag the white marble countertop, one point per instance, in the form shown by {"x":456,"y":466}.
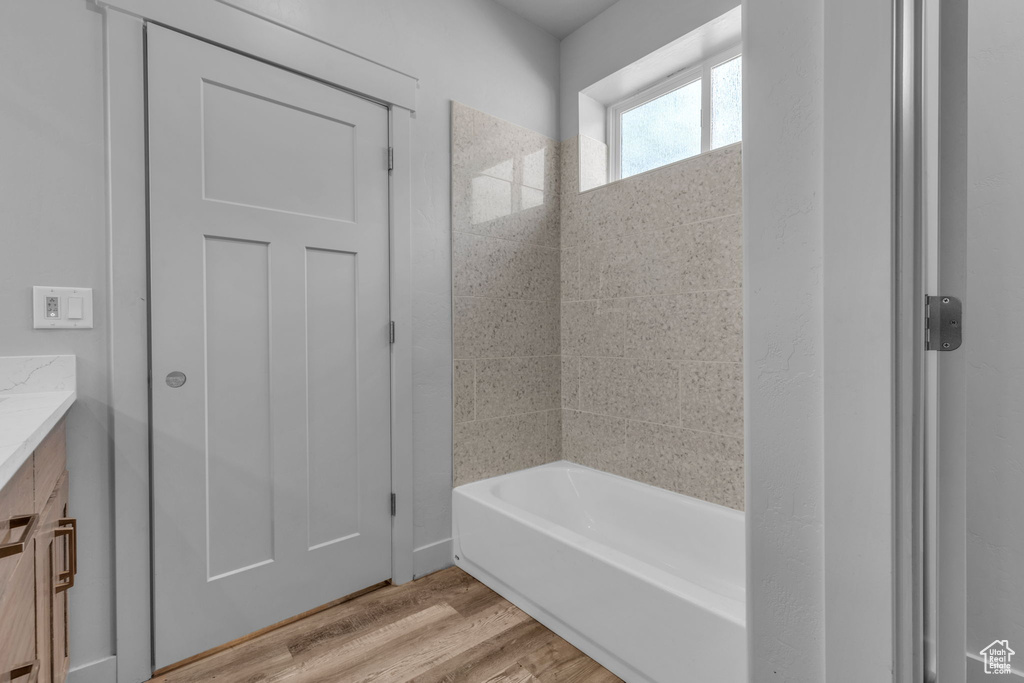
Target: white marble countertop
{"x":35,"y":393}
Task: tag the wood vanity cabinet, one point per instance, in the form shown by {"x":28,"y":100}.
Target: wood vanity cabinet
{"x":38,"y":561}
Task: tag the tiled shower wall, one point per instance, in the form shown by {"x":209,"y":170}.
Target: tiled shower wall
{"x":651,"y":329}
{"x":505,"y":261}
{"x":620,"y":305}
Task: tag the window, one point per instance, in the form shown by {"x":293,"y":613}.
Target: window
{"x":693,"y":111}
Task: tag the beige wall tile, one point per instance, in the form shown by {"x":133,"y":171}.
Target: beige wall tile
{"x":666,"y":248}
{"x":463,"y":391}
{"x":487,"y":448}
{"x":570,"y":274}
{"x":555,"y":430}
{"x":506,"y":186}
{"x":570,"y":382}
{"x":700,"y":256}
{"x":649,"y":274}
{"x":505,"y":179}
{"x":608,"y":211}
{"x":625,"y":387}
{"x":698,"y":464}
{"x":502,"y":328}
{"x":505,"y":269}
{"x":712,"y":397}
{"x":696,"y":326}
{"x":509,"y":386}
{"x":714,"y":254}
{"x":537,"y":225}
{"x":696,"y":189}
{"x":571,"y":228}
{"x":593,"y":440}
{"x":594,"y":328}
{"x":645,"y":264}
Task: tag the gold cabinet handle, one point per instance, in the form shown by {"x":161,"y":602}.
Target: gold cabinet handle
{"x":68,"y":526}
{"x":28,"y":525}
{"x":31,"y":670}
{"x":73,"y":523}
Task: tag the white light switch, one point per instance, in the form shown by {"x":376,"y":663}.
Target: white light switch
{"x":74,"y":308}
{"x":61,"y":308}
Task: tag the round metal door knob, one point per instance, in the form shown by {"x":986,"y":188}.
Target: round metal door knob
{"x":175,"y":379}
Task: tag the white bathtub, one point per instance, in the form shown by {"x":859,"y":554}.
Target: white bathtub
{"x":647,"y":582}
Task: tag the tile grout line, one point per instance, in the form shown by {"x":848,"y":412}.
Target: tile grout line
{"x":654,"y":231}
{"x":506,"y":298}
{"x":475,"y":358}
{"x":652,"y":360}
{"x":658,"y":424}
{"x":507,"y":239}
{"x":646,"y":296}
{"x":502,"y":417}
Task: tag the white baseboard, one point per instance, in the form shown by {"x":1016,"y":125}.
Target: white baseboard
{"x":976,"y":672}
{"x":101,"y":671}
{"x":430,"y":558}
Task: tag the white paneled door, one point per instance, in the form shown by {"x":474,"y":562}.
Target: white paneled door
{"x":270,"y":348}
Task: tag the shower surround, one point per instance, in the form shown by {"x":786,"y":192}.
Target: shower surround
{"x":652,"y":328}
{"x":602,"y":327}
{"x":505,"y":260}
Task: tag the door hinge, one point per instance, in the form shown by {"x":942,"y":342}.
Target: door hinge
{"x":943,"y":323}
{"x":394,"y":504}
{"x":391,"y":333}
{"x":391,"y":159}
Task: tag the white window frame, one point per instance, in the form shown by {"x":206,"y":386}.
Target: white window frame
{"x":698,"y":72}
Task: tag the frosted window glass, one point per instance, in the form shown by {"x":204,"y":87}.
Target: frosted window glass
{"x":661,"y":131}
{"x":727,"y":103}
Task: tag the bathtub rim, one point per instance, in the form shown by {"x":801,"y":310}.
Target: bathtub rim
{"x":718,"y":604}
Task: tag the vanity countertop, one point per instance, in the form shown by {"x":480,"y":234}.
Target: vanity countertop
{"x":35,"y":393}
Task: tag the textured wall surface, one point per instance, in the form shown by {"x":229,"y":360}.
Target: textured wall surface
{"x":783,"y":128}
{"x":505,"y":279}
{"x":54,"y":233}
{"x":994,"y":310}
{"x":652,"y":330}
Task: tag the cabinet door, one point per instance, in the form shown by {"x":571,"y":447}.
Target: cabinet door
{"x":17,"y":620}
{"x":63,"y":562}
{"x":18,"y":529}
{"x":54,"y":575}
{"x":45,"y":564}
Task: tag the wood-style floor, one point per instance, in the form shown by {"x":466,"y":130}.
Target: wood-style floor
{"x":444,"y":627}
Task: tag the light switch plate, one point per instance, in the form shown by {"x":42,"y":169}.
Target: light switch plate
{"x":52,"y":308}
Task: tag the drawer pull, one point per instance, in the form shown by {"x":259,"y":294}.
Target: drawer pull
{"x":30,"y":670}
{"x":28,"y":525}
{"x":68,"y":526}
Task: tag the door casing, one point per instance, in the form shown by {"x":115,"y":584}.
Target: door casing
{"x":124,"y":53}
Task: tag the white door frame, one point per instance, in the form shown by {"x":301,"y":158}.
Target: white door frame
{"x":874,"y":342}
{"x":219,"y":22}
{"x":946,"y":111}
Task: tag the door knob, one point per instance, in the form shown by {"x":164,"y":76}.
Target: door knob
{"x":175,"y":379}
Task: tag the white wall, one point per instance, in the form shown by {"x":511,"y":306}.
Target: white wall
{"x":52,"y":232}
{"x":622,"y":34}
{"x":994,"y":319}
{"x":52,"y":192}
{"x":783,"y":102}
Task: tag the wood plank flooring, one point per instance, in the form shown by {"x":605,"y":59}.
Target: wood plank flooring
{"x":447,"y":627}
